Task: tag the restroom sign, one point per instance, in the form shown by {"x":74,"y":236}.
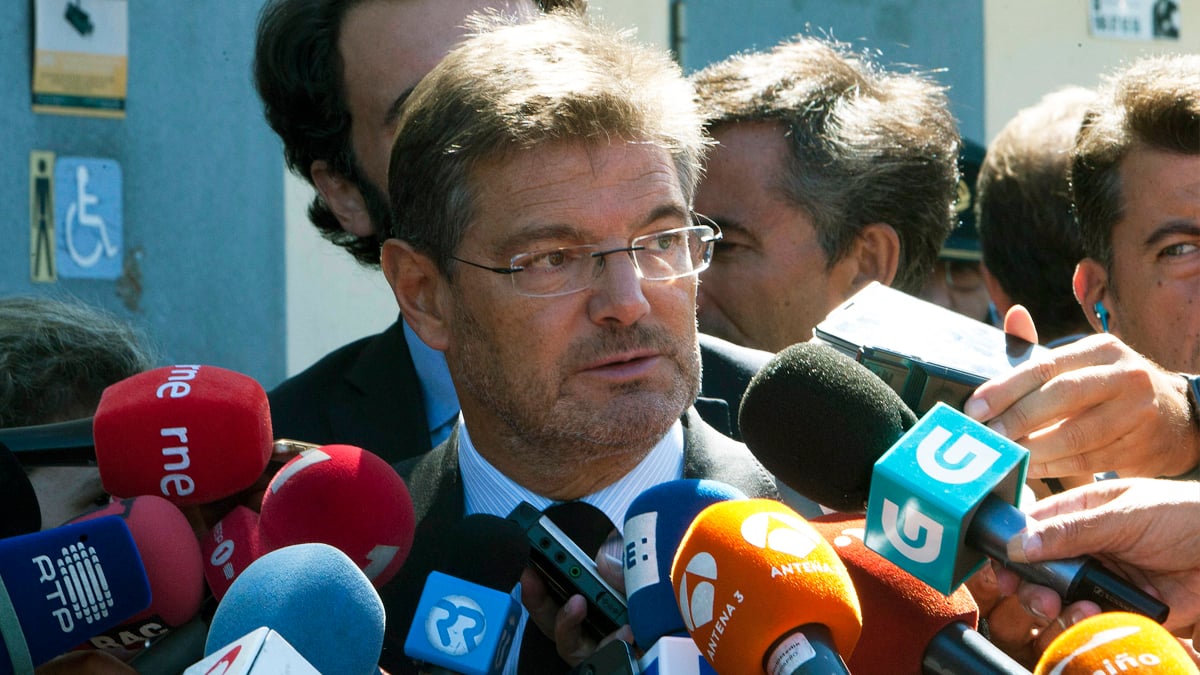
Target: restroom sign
{"x":89,"y":230}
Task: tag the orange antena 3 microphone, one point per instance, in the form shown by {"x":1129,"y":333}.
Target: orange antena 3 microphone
{"x":761,"y":591}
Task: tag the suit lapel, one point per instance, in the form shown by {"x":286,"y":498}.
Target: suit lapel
{"x":387,"y":409}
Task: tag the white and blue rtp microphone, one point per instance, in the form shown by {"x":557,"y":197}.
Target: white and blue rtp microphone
{"x":60,"y":587}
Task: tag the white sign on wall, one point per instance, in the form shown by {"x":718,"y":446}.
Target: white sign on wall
{"x":1135,"y":19}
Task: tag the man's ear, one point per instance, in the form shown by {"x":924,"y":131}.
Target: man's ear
{"x":876,"y":256}
{"x":420,"y":289}
{"x":1090,"y":284}
{"x":343,"y":198}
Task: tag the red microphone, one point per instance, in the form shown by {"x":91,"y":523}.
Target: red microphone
{"x":189,"y":434}
{"x":761,"y":591}
{"x":229,"y":547}
{"x":171,"y":556}
{"x":346,"y":497}
{"x":338,"y":495}
{"x":909,"y":628}
{"x":1115,"y":642}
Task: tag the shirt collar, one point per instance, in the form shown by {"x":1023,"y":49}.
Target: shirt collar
{"x":437,"y":389}
{"x":487,"y":490}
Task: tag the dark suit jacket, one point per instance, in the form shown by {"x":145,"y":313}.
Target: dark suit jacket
{"x":436,"y":488}
{"x":367,"y":394}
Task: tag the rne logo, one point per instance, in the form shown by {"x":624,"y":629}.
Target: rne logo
{"x":697,"y":591}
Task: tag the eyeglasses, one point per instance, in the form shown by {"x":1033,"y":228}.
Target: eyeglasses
{"x":658,"y":256}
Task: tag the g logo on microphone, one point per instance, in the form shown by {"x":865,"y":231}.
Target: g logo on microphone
{"x":961,"y":462}
{"x":455,"y":625}
{"x":696,"y":590}
{"x":926,"y":489}
{"x":916,"y":536}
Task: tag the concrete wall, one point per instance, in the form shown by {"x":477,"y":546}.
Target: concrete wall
{"x":1032,"y":47}
{"x":202,"y":184}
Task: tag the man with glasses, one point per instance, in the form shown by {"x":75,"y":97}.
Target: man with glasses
{"x":543,"y":239}
{"x":829,"y":173}
{"x":333,"y":76}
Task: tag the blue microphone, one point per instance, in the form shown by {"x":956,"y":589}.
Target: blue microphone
{"x":313,"y":596}
{"x":467,"y":618}
{"x":62,"y":586}
{"x":654,"y":526}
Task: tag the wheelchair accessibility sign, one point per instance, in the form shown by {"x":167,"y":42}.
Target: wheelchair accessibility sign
{"x":88,"y":225}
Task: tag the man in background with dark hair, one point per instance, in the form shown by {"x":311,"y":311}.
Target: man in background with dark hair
{"x":56,"y":358}
{"x":1027,"y":229}
{"x":829,"y":172}
{"x":1112,"y":402}
{"x":334,"y":76}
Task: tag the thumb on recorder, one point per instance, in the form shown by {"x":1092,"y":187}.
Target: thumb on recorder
{"x":1147,"y":529}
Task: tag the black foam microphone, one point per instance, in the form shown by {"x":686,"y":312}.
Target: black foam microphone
{"x":818,"y":421}
{"x":466,"y":619}
{"x":18,"y":501}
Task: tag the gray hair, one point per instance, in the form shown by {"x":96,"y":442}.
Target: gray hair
{"x":517,"y":86}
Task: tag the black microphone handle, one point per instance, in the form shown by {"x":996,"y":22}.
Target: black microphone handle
{"x":57,"y":444}
{"x":173,"y":652}
{"x":825,"y":660}
{"x":957,"y":649}
{"x":1080,"y":578}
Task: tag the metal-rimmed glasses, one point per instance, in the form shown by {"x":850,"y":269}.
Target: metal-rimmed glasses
{"x":657,"y":256}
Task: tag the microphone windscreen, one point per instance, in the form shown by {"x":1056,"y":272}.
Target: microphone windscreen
{"x":171,"y":556}
{"x":901,"y":614}
{"x":18,"y":501}
{"x":749,"y":572}
{"x":1115,"y":642}
{"x":818,"y":420}
{"x":191,"y":434}
{"x":585,"y":524}
{"x":229,"y":548}
{"x":346,"y":497}
{"x":313,"y":596}
{"x":654,"y":526}
{"x":503,"y":540}
{"x":64,"y":585}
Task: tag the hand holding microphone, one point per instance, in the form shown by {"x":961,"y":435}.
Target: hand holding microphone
{"x":1147,"y":528}
{"x":939,"y":496}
